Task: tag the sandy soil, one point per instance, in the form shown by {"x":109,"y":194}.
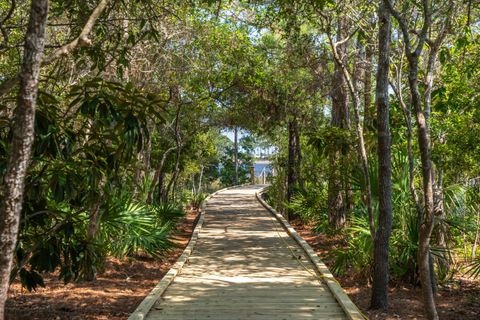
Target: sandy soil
{"x":114,"y":295}
{"x":117,"y":292}
{"x":460,"y":300}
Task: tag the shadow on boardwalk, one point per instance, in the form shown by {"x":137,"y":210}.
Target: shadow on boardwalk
{"x":245,"y":266}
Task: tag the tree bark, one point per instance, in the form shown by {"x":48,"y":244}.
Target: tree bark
{"x":426,"y":225}
{"x":379,"y":299}
{"x":22,"y":141}
{"x":442,"y":229}
{"x":475,"y":241}
{"x":200,"y":180}
{"x":178,"y":146}
{"x":407,"y":114}
{"x":298,"y":154}
{"x":367,"y":94}
{"x":340,"y":119}
{"x":339,"y":59}
{"x":427,"y":217}
{"x":158,"y":177}
{"x":235,"y":156}
{"x":294,"y":155}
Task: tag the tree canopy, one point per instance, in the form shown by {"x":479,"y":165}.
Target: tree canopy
{"x":112,"y":113}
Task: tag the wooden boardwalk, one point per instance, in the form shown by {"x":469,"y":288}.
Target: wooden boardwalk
{"x":245,"y":266}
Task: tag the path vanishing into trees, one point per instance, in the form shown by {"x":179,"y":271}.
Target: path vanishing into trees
{"x":246,"y":266}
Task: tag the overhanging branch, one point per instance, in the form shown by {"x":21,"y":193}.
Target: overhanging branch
{"x":82,"y":40}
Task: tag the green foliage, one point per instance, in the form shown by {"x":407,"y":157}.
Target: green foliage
{"x":309,"y":203}
{"x":474,"y":269}
{"x":359,"y":253}
{"x":130,"y":228}
{"x":170,"y":76}
{"x":127,"y":229}
{"x":196,"y":199}
{"x":227,"y":164}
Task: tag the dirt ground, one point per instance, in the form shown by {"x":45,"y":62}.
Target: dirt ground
{"x":459,"y":300}
{"x":117,"y":292}
{"x":114,"y":295}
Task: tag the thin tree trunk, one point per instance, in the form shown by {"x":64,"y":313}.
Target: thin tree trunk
{"x":339,"y":58}
{"x":235,"y":155}
{"x":169,"y":190}
{"x":427,"y":222}
{"x":293,"y":160}
{"x":23,"y":135}
{"x":475,"y":242}
{"x":161,"y":188}
{"x":407,"y":114}
{"x":194,"y":189}
{"x":298,"y":154}
{"x":340,"y":119}
{"x":427,"y":217}
{"x":442,"y":229}
{"x":159,"y":174}
{"x":178,"y":146}
{"x":200,"y":180}
{"x":379,"y":298}
{"x":368,"y":112}
{"x":175,"y":183}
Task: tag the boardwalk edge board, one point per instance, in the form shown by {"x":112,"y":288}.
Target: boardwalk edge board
{"x":343,"y":299}
{"x":144,"y":307}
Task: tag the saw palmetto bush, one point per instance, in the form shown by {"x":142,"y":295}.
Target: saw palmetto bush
{"x":404,"y":239}
{"x":310,"y":204}
{"x":81,"y":175}
{"x":131,"y":228}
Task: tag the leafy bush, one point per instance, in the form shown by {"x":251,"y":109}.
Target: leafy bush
{"x":196,"y":199}
{"x":126,"y":229}
{"x":360,"y":248}
{"x":310,"y":204}
{"x":404,"y":238}
{"x":132,"y":228}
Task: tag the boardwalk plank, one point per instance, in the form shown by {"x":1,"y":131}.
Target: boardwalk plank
{"x":245,"y":266}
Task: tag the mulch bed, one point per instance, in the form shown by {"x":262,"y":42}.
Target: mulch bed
{"x":114,"y":295}
{"x":459,"y":300}
{"x":125,"y":283}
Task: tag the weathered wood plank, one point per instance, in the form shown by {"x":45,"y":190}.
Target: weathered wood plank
{"x":245,"y":266}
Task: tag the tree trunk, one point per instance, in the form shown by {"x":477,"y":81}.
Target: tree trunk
{"x":336,"y":200}
{"x":200,"y":180}
{"x":340,"y":119}
{"x":23,"y":136}
{"x":159,"y":176}
{"x":426,"y":225}
{"x":475,"y":241}
{"x":298,"y":154}
{"x":426,"y":218}
{"x":407,"y":114}
{"x":294,"y":156}
{"x":235,"y":156}
{"x":161,"y":188}
{"x":442,"y":228}
{"x":379,"y":298}
{"x":367,"y":84}
{"x":170,"y":190}
{"x":178,"y":142}
{"x":340,"y":60}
